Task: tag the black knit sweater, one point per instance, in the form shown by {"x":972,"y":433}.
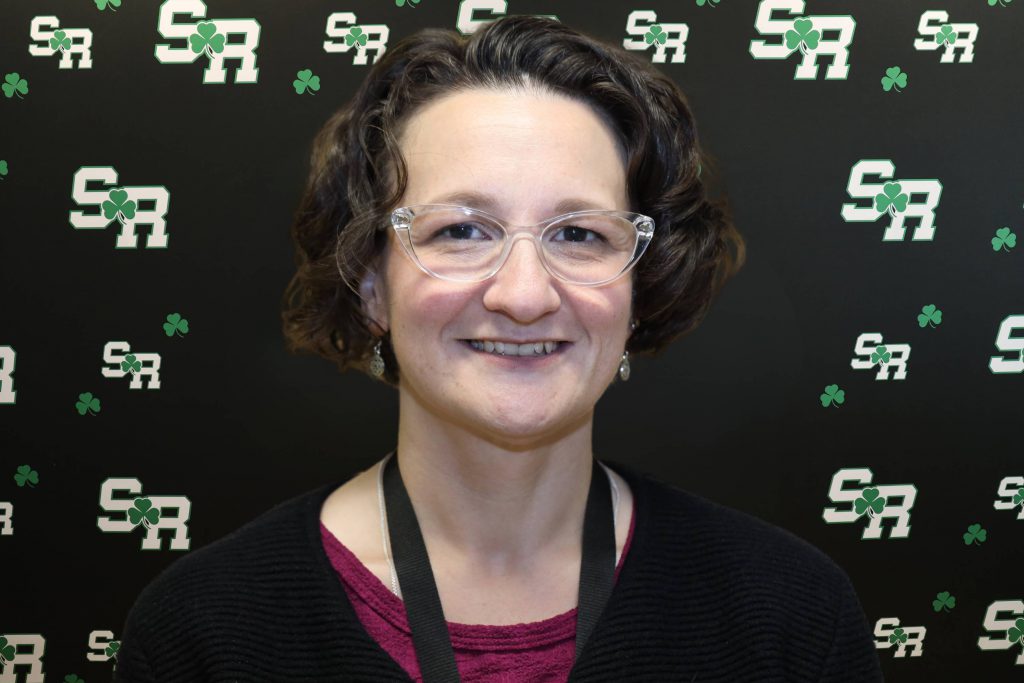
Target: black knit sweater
{"x":706,"y":593}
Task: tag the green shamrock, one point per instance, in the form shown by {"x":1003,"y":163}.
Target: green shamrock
{"x":13,"y":83}
{"x":3,"y":168}
{"x":354,"y":36}
{"x":894,"y":77}
{"x":898,"y":636}
{"x":928,"y":315}
{"x":656,"y":34}
{"x":87,"y":403}
{"x":891,"y":198}
{"x":60,"y":41}
{"x":1018,"y":498}
{"x":207,"y":38}
{"x":1013,"y":634}
{"x":709,"y":3}
{"x":833,"y":395}
{"x":1004,"y":3}
{"x":975,"y":534}
{"x":102,"y":4}
{"x":801,"y":36}
{"x":880,"y":355}
{"x":946,"y":34}
{"x":26,"y":475}
{"x":143,"y":512}
{"x":869,"y":502}
{"x":6,"y":650}
{"x":112,"y":648}
{"x":118,"y":206}
{"x":131,"y":364}
{"x":306,"y":80}
{"x":1004,"y":240}
{"x":175,"y":323}
{"x":73,"y":678}
{"x":943,"y":601}
{"x":400,"y":3}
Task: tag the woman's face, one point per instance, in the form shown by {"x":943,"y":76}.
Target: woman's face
{"x":529,"y":153}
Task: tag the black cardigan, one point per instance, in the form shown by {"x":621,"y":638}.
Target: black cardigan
{"x":706,"y":593}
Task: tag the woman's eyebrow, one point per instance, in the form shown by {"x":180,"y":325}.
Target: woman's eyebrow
{"x":479,"y":200}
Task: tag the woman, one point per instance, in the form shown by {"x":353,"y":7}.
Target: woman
{"x":493,"y":225}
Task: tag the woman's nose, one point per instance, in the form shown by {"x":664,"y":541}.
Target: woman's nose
{"x":522,"y":286}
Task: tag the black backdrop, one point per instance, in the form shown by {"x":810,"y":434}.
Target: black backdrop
{"x":732,"y":412}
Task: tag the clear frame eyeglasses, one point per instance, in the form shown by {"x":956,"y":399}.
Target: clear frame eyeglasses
{"x":462,"y":244}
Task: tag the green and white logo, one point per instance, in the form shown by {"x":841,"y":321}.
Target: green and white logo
{"x":644,"y":25}
{"x":940,"y":34}
{"x":208,"y":39}
{"x":1011,"y":495}
{"x":806,"y":34}
{"x":869,"y":352}
{"x":363,"y":37}
{"x":102,"y":646}
{"x":8,"y":359}
{"x":875,"y":503}
{"x":146,"y":512}
{"x":118,"y":354}
{"x":69,"y":42}
{"x":1008,"y":344}
{"x":22,"y":653}
{"x":6,"y":518}
{"x":894,"y":199}
{"x":468,"y":22}
{"x":1009,"y":630}
{"x":121,"y":204}
{"x":890,"y":634}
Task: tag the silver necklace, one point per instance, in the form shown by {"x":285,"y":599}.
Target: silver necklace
{"x":383,"y":516}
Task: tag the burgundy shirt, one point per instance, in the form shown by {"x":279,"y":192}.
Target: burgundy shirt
{"x":538,"y":651}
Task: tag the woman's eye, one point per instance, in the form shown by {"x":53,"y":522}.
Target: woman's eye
{"x":459,"y":231}
{"x":578,"y":234}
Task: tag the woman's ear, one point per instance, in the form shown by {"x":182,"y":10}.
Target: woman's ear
{"x":374,"y":296}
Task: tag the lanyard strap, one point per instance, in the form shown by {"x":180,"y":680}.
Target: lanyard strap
{"x":419,"y":590}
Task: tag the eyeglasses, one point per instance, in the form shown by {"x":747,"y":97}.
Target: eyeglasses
{"x":461,"y":244}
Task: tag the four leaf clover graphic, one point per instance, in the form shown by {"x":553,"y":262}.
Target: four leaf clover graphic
{"x":894,"y":78}
{"x":7,"y":651}
{"x":945,"y":34}
{"x":898,"y":636}
{"x":880,"y":355}
{"x":175,"y":323}
{"x":975,"y":534}
{"x":833,"y":396}
{"x":892,"y":198}
{"x":869,"y":502}
{"x":26,"y":475}
{"x":143,"y":513}
{"x":206,"y":38}
{"x":1013,"y":634}
{"x":87,"y":403}
{"x":14,"y":84}
{"x":102,"y":4}
{"x":802,"y":36}
{"x":943,"y":601}
{"x":60,"y":41}
{"x":3,"y":168}
{"x":656,"y":34}
{"x":400,"y":3}
{"x":117,"y":205}
{"x":306,"y":81}
{"x":130,"y":364}
{"x":929,"y":314}
{"x":355,"y":35}
{"x":1004,"y":240}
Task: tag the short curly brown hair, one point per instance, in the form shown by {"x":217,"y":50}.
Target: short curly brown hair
{"x":358,"y":175}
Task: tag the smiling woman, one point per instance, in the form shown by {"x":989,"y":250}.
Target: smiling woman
{"x":493,"y":225}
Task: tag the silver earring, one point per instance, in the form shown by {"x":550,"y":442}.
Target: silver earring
{"x":624,"y":366}
{"x":377,"y":362}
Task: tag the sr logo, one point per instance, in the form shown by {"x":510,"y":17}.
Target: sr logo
{"x":940,"y":34}
{"x":915,"y":198}
{"x":363,"y":37}
{"x":120,"y":204}
{"x":903,"y":638}
{"x":1008,"y":344}
{"x":212,"y":39}
{"x":1008,"y":631}
{"x":663,"y":36}
{"x":138,"y":365}
{"x":69,"y":42}
{"x":876,"y":502}
{"x":468,"y":22}
{"x":825,"y":35}
{"x":870,"y":351}
{"x":149,"y":512}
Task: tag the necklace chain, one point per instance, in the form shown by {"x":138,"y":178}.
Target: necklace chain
{"x":383,"y":518}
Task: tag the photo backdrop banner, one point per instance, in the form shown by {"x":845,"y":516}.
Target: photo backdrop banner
{"x":859,"y":383}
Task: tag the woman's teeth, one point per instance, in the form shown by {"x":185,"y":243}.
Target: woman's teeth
{"x":535,"y":349}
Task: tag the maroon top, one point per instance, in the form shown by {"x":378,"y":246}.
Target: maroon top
{"x":538,"y":651}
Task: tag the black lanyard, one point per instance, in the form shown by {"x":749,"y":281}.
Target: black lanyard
{"x":423,"y":604}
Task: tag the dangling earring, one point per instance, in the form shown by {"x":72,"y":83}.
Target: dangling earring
{"x":377,"y":362}
{"x":624,"y":366}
